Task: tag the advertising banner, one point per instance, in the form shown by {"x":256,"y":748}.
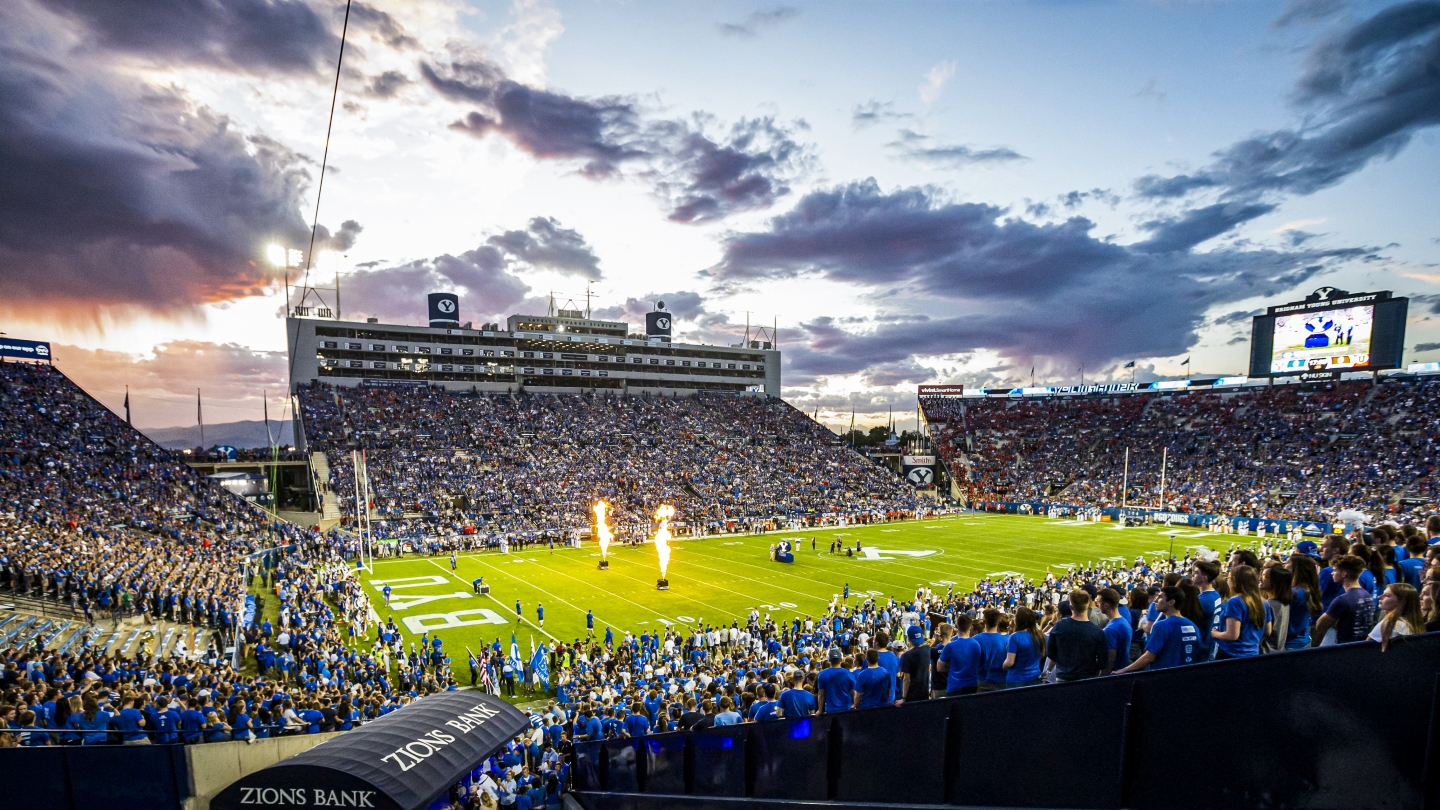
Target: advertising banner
{"x":26,"y":349}
{"x":919,"y":470}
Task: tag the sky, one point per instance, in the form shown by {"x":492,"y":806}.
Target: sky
{"x":956,"y":192}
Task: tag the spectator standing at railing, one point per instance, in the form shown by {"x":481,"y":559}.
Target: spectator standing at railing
{"x":872,"y":683}
{"x":794,"y":703}
{"x":915,"y":667}
{"x":1174,"y":640}
{"x":836,"y":685}
{"x":1075,"y":644}
{"x":959,"y":660}
{"x":1351,"y":614}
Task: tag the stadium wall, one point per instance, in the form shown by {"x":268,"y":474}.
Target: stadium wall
{"x":136,"y":777}
{"x":1336,"y":727}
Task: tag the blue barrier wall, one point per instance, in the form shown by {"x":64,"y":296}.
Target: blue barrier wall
{"x":114,"y":777}
{"x":1338,"y":727}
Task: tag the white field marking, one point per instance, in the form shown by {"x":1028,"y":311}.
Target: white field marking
{"x":889,"y":530}
{"x":1004,"y":574}
{"x":417,"y":624}
{"x":403,"y":602}
{"x":502,"y":604}
{"x":872,"y":553}
{"x":735,"y":543}
{"x":425,"y":581}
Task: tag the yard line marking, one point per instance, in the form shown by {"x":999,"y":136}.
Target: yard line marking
{"x":497,"y":601}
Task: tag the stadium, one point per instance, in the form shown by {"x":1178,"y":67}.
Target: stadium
{"x":584,"y":558}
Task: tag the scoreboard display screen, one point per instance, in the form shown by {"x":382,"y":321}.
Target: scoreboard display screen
{"x":1329,"y":332}
{"x":1330,"y":340}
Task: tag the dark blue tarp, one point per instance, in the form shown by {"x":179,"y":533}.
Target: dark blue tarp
{"x":402,"y":761}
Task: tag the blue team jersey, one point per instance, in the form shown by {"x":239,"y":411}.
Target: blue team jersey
{"x":796,"y":703}
{"x":1249,"y":642}
{"x":1297,"y":636}
{"x":873,"y":684}
{"x":1027,"y":659}
{"x":992,"y":657}
{"x":1208,"y":601}
{"x":836,"y":684}
{"x":1174,"y":641}
{"x":1117,"y":638}
{"x":961,"y":657}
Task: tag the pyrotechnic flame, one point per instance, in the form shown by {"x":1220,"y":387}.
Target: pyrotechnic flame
{"x":662,"y":535}
{"x":602,"y":530}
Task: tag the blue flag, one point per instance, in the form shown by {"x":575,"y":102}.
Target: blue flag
{"x":540,"y":662}
{"x":516,"y":661}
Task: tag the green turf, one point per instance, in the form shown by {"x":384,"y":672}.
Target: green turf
{"x":720,"y":578}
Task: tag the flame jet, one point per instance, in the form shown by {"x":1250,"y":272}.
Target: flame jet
{"x":602,"y":530}
{"x":662,"y":535}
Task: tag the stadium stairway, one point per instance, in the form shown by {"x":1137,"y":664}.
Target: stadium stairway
{"x":330,"y":504}
{"x":1313,"y":728}
{"x":26,"y":619}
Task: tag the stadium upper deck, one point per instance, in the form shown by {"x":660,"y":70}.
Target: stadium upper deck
{"x":550,"y":353}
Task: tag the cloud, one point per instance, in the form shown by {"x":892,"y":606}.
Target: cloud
{"x":121,"y":195}
{"x":1301,"y":12}
{"x":684,"y":305}
{"x":1151,"y":89}
{"x":1198,"y":224}
{"x":758,"y":20}
{"x":897,"y":373}
{"x":521,"y":45}
{"x":914,"y":146}
{"x":387,"y":84}
{"x":367,"y":17}
{"x":875,"y":112}
{"x":700,"y":178}
{"x":1022,"y":289}
{"x":342,"y":240}
{"x":707,"y":180}
{"x":253,"y":36}
{"x":935,"y":81}
{"x":397,"y":294}
{"x":1366,"y":90}
{"x":162,"y":382}
{"x":546,"y":245}
{"x":489,"y":278}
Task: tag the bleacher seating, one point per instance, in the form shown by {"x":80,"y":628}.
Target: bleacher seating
{"x":1286,"y":451}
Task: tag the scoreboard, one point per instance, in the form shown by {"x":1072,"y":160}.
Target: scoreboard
{"x":1329,"y":332}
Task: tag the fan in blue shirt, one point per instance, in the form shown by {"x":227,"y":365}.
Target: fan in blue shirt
{"x":129,"y":723}
{"x":1174,"y":639}
{"x":1244,"y":618}
{"x":637,"y":724}
{"x":836,"y":685}
{"x":873,"y":685}
{"x":992,"y":651}
{"x":1117,"y":629}
{"x":192,"y":723}
{"x":796,"y":702}
{"x":960,"y":661}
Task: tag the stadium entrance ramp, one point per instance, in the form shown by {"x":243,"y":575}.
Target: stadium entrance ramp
{"x":403,"y":761}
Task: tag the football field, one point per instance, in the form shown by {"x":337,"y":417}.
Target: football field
{"x":718,"y":579}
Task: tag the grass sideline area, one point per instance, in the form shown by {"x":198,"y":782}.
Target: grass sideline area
{"x":717,"y":579}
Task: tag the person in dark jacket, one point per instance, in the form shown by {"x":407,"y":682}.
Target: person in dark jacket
{"x":1076,"y":645}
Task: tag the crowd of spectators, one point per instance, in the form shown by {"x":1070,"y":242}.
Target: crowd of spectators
{"x":1288,"y":451}
{"x":534,"y":464}
{"x":94,"y":515}
{"x":1095,"y":620}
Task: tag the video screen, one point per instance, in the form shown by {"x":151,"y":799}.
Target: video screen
{"x":1332,"y":339}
